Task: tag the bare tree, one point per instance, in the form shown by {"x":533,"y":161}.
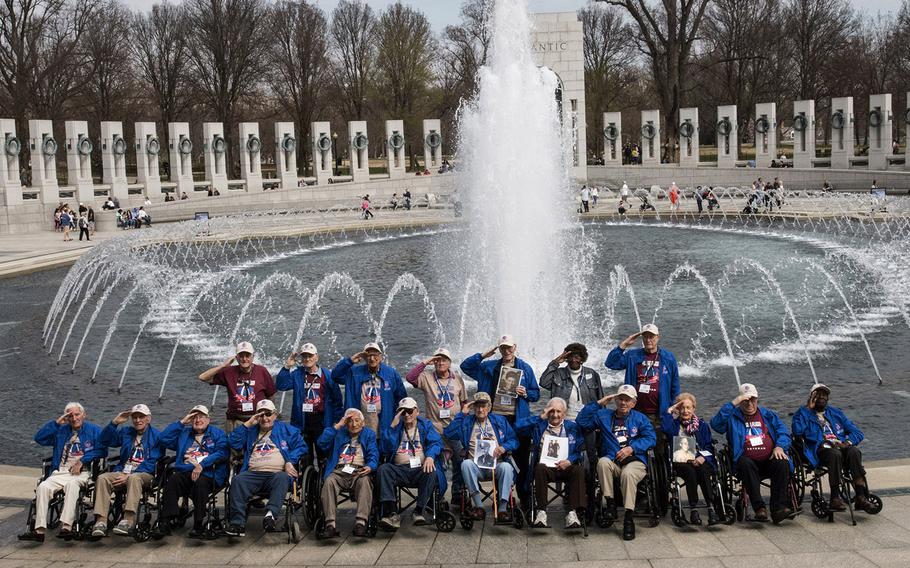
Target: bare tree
{"x":466,"y":47}
{"x":107,"y":44}
{"x":816,"y":30}
{"x":298,"y":63}
{"x":161,"y":56}
{"x":354,"y":53}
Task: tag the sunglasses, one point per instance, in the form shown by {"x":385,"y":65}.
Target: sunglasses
{"x":409,"y":411}
{"x":307,"y":355}
{"x":267,"y":413}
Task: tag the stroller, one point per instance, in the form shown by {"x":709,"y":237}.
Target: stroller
{"x":645,"y":204}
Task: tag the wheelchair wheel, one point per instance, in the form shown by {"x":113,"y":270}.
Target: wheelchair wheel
{"x":294,"y":533}
{"x":819,"y":507}
{"x":319,"y":528}
{"x":600,"y":517}
{"x":653,"y":520}
{"x":310,"y":485}
{"x":445,"y":521}
{"x":142,"y":532}
{"x":372,"y":526}
{"x":466,"y":523}
{"x":740,"y":508}
{"x":676,"y":514}
{"x":876,"y":504}
{"x":518,"y":518}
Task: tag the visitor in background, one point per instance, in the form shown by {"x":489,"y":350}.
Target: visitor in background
{"x":91,"y":221}
{"x":699,"y":199}
{"x":370,"y":386}
{"x":184,"y":196}
{"x":585,"y":199}
{"x":594,"y":194}
{"x":407,"y":199}
{"x":246,"y":382}
{"x":66,"y":223}
{"x":83,"y":227}
{"x":365,"y":208}
{"x":624,"y":193}
{"x":674,"y":197}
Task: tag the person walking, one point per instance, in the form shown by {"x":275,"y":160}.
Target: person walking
{"x":66,"y":223}
{"x":585,"y":199}
{"x":83,"y":227}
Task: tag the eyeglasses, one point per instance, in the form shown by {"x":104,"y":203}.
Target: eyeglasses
{"x":267,"y":413}
{"x":409,"y":411}
{"x":307,"y":355}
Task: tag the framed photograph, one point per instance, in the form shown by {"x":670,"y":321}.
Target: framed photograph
{"x":684,"y":449}
{"x":483,"y":454}
{"x":509,"y":379}
{"x":554,"y":449}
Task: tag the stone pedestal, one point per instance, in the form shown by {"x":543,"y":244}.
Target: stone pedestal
{"x":181,"y":157}
{"x":688,"y":137}
{"x":432,"y":144}
{"x":250,"y":156}
{"x":359,"y":150}
{"x":907,"y":135}
{"x":214,"y":150}
{"x":842,"y":149}
{"x":881,"y":125}
{"x":765,"y":134}
{"x":79,"y":149}
{"x":10,"y":181}
{"x":803,"y":133}
{"x":323,"y":155}
{"x":148,"y":147}
{"x":113,"y":158}
{"x":727,"y":135}
{"x":286,"y":154}
{"x":395,"y":154}
{"x":612,"y":138}
{"x":650,"y":137}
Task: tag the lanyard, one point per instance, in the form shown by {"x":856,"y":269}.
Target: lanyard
{"x":650,"y":370}
{"x":444,"y":394}
{"x":310,"y":391}
{"x":411,"y":447}
{"x":373,"y":388}
{"x":68,"y":446}
{"x":562,"y":430}
{"x":137,"y":449}
{"x":484,"y":433}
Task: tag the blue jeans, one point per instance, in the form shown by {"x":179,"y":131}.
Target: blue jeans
{"x":472,"y":476}
{"x":249,"y":483}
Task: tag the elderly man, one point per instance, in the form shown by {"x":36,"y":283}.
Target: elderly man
{"x":626,"y":435}
{"x":353,"y":455}
{"x":552,"y":434}
{"x":140,"y":448}
{"x":373,"y":387}
{"x":759,"y":441}
{"x":411,"y":447}
{"x":830,"y":440}
{"x":76,"y":443}
{"x":201,"y":466}
{"x":317,"y":398}
{"x":514,"y":404}
{"x":486,"y":438}
{"x":652,"y":372}
{"x":271,"y":449}
{"x":444,"y":395}
{"x":246,"y":382}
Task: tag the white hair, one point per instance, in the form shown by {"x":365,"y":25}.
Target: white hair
{"x":560,"y":401}
{"x":71,"y":405}
{"x":353,"y":412}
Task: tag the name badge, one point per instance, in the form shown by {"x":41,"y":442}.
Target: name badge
{"x":755,"y":441}
{"x":128,"y":468}
{"x":705,"y":453}
{"x":621,"y":439}
{"x":371,"y":408}
{"x":445,"y":413}
{"x":644,"y":387}
{"x":307,"y":407}
{"x":246,"y":406}
{"x":348,"y":469}
{"x":505,"y":399}
{"x":415,"y":461}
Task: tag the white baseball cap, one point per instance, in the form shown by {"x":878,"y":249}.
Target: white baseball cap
{"x":265,"y":404}
{"x":650,"y":328}
{"x":245,"y":347}
{"x":820,"y":386}
{"x":407,"y":402}
{"x":506,"y":340}
{"x":309,"y":348}
{"x":749,"y":390}
{"x":627,"y":390}
{"x":372,"y":345}
{"x":443,"y":352}
{"x":141,"y":409}
{"x":201,"y":409}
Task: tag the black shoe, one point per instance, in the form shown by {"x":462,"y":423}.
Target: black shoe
{"x":65,"y":534}
{"x":610,"y":510}
{"x":32,"y":536}
{"x":695,"y":518}
{"x":235,"y":530}
{"x":713,"y":519}
{"x":780,"y":515}
{"x":628,"y":526}
{"x":163,"y":529}
{"x":761,"y":515}
{"x":196,"y":533}
{"x":268,"y":523}
{"x":330,"y":532}
{"x":360,"y":529}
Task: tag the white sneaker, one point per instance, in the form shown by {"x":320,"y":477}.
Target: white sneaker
{"x":99,"y":530}
{"x":572,"y":521}
{"x":541,"y":519}
{"x":419,"y":520}
{"x":122,"y":528}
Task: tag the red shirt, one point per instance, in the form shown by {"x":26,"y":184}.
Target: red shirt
{"x":648,"y":401}
{"x":314,"y":390}
{"x":758,"y":443}
{"x":245,"y":390}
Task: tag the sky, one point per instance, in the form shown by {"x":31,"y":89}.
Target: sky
{"x":444,"y":12}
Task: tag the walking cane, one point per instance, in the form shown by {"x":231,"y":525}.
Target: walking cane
{"x":495,"y":496}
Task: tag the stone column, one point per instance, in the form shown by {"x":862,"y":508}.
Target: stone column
{"x":688,"y":137}
{"x":250,"y":156}
{"x":43,"y":148}
{"x":612,"y":138}
{"x":765,"y":134}
{"x":803,"y":133}
{"x":79,"y":149}
{"x":214,"y":150}
{"x":842,"y":145}
{"x":395,"y":151}
{"x":650,"y":137}
{"x":286,"y":154}
{"x":880,"y":131}
{"x":727,"y":136}
{"x":181,"y":157}
{"x":907,"y":135}
{"x":359,"y":150}
{"x":113,"y":158}
{"x":10,"y":182}
{"x":323,"y":156}
{"x":432,"y":144}
{"x":148,"y":148}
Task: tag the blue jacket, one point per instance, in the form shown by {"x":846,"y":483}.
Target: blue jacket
{"x":535,"y":426}
{"x":805,"y":424}
{"x":703,"y":437}
{"x":729,"y":420}
{"x":628,"y":360}
{"x":353,"y":377}
{"x":641,"y":434}
{"x":486,"y":373}
{"x":123,"y":438}
{"x":462,"y":426}
{"x":334,"y":441}
{"x":57,"y":435}
{"x":286,"y":437}
{"x":179,"y":438}
{"x":332,"y":402}
{"x":430,"y":441}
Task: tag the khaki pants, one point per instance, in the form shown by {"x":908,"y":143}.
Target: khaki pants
{"x":104,"y":488}
{"x":629,"y":476}
{"x":70,"y":485}
{"x":335,"y":483}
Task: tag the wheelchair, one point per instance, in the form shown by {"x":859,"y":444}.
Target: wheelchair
{"x":312,"y":483}
{"x":811,"y":478}
{"x":82,"y":523}
{"x":559,"y":490}
{"x":734,"y":492}
{"x":437,"y":507}
{"x":515,"y":516}
{"x":215,"y":518}
{"x":650,"y":501}
{"x":722,"y":506}
{"x":292,"y":504}
{"x":148,"y":502}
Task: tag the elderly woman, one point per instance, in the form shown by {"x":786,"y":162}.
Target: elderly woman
{"x":681,"y":420}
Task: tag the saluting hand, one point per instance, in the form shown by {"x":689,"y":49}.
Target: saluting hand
{"x":122,"y":417}
{"x":358,"y":357}
{"x":605,"y":400}
{"x":630,"y":341}
{"x":292,"y":360}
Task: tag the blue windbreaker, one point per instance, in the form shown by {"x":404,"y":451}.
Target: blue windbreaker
{"x":486,"y":373}
{"x":334,"y":441}
{"x":805,"y":423}
{"x":333,"y":405}
{"x":179,"y":438}
{"x":640,"y":432}
{"x":628,"y":361}
{"x":124,"y":437}
{"x":57,"y":435}
{"x":286,"y":437}
{"x":430,"y":441}
{"x":535,"y":426}
{"x":703,"y":437}
{"x":462,"y":426}
{"x":729,"y":420}
{"x":353,"y":376}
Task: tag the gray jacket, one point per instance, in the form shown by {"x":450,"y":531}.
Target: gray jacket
{"x":556,"y":379}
